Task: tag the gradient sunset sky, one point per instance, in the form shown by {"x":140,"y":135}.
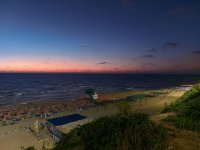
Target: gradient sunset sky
{"x":111,"y":36}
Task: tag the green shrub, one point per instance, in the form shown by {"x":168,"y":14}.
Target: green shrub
{"x":184,"y":122}
{"x":186,"y":100}
{"x":117,"y":132}
{"x":187,"y":109}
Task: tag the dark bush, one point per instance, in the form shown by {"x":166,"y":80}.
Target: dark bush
{"x":118,"y":132}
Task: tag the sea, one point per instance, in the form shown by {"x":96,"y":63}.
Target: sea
{"x":16,"y":88}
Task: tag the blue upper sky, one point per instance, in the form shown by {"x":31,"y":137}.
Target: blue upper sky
{"x":100,"y":36}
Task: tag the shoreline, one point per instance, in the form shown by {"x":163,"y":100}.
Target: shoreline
{"x":29,"y":102}
{"x":12,"y":114}
{"x":13,"y":136}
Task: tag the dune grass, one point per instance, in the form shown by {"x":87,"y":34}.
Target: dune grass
{"x":187,"y":110}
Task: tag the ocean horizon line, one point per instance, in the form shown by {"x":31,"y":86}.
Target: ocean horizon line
{"x":99,"y":73}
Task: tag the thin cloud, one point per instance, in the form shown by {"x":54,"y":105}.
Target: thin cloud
{"x":151,"y":50}
{"x":171,"y":45}
{"x":196,"y":52}
{"x":103,"y":63}
{"x":84,"y":46}
{"x":143,"y":57}
{"x":143,"y":66}
{"x":148,"y":56}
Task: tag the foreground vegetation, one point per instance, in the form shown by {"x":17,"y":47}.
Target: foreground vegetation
{"x":122,"y":131}
{"x":127,"y":131}
{"x":187,"y":110}
{"x":119,"y":132}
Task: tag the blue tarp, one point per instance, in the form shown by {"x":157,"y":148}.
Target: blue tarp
{"x":66,"y":119}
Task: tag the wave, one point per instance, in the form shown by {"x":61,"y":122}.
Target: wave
{"x":16,"y":88}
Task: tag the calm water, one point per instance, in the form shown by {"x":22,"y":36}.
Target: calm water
{"x":16,"y":88}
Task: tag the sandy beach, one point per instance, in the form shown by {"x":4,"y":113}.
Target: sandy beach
{"x":18,"y":134}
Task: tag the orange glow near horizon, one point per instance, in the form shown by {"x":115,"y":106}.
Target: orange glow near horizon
{"x":31,"y":65}
{"x":69,"y":65}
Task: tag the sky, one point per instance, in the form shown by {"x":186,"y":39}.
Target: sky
{"x":100,"y":36}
